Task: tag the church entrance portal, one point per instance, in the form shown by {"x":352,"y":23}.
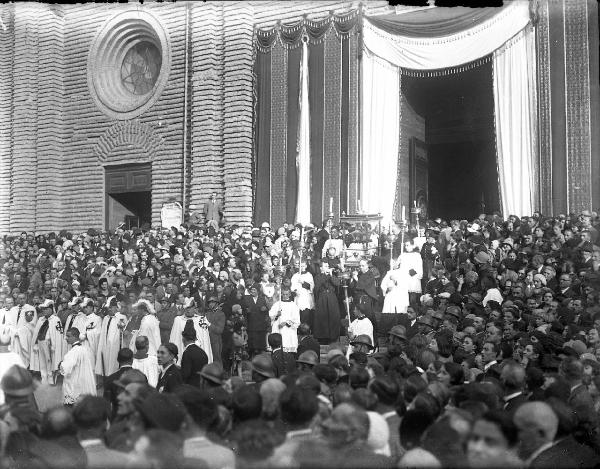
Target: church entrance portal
{"x":459,"y":139}
{"x":128,"y":196}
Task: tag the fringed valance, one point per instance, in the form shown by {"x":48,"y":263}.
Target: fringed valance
{"x":290,"y":36}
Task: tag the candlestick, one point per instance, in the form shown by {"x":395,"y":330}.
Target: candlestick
{"x":330,"y":204}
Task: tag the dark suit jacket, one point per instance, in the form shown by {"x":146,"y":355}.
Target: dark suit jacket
{"x":513,"y":404}
{"x":111,"y":390}
{"x":566,"y":453}
{"x":284,"y":363}
{"x":257,"y":319}
{"x":169,"y":380}
{"x":192,"y":361}
{"x":583,"y":405}
{"x":308,"y":343}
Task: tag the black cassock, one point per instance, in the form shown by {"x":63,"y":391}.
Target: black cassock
{"x":327,"y":314}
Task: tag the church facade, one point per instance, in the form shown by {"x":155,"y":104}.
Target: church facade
{"x":110,"y":110}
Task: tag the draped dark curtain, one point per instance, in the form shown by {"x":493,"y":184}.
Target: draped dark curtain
{"x":333,"y":45}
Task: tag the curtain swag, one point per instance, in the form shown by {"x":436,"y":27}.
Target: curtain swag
{"x":291,"y":36}
{"x":451,"y":51}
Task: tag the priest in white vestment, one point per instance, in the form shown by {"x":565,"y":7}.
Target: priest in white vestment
{"x":303,"y":285}
{"x":17,"y":312}
{"x":144,"y":362}
{"x":201,"y":325}
{"x":411,"y":266}
{"x":395,"y":291}
{"x":21,"y":340}
{"x":285,"y":319}
{"x":149,"y":327}
{"x":90,"y":334}
{"x":77,"y":370}
{"x":111,"y":339}
{"x":47,"y":342}
{"x":76,"y":319}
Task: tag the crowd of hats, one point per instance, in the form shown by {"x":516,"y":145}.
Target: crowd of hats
{"x":506,"y":330}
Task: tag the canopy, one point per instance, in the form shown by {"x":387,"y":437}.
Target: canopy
{"x":438,"y":38}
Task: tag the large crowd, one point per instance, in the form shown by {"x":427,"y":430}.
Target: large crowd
{"x":465,"y":344}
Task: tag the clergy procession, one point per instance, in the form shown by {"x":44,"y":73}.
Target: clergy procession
{"x":444,"y":344}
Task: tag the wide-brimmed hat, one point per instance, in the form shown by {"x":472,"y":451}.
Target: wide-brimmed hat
{"x":263,"y":365}
{"x":212,"y":372}
{"x":309,"y":357}
{"x":398,"y":331}
{"x":362,"y":339}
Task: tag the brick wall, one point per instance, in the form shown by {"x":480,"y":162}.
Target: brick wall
{"x":54,"y":140}
{"x":6,"y":94}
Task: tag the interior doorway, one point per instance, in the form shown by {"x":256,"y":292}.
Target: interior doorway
{"x":460,"y":141}
{"x":128,"y":196}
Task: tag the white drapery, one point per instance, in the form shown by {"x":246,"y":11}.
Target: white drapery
{"x":424,"y":53}
{"x":303,"y":145}
{"x":516,"y":124}
{"x":380,"y":136}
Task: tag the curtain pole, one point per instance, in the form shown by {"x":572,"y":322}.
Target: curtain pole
{"x":185,"y":110}
{"x":360,"y":107}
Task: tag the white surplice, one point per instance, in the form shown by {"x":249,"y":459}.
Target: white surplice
{"x":21,"y":341}
{"x":90,"y":335}
{"x":287,"y":311}
{"x":109,"y":344}
{"x":304,"y":297}
{"x":149,"y":327}
{"x":148,"y":366}
{"x":394,"y":288}
{"x":77,"y":320}
{"x":78,"y":374}
{"x":201,"y":325}
{"x":47,"y":353}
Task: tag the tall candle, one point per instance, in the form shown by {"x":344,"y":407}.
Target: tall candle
{"x":330,"y":204}
{"x":403,"y":213}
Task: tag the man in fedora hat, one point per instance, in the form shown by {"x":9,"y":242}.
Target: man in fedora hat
{"x":262,"y":369}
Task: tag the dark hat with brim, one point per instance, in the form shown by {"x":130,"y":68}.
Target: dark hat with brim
{"x":212,"y":372}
